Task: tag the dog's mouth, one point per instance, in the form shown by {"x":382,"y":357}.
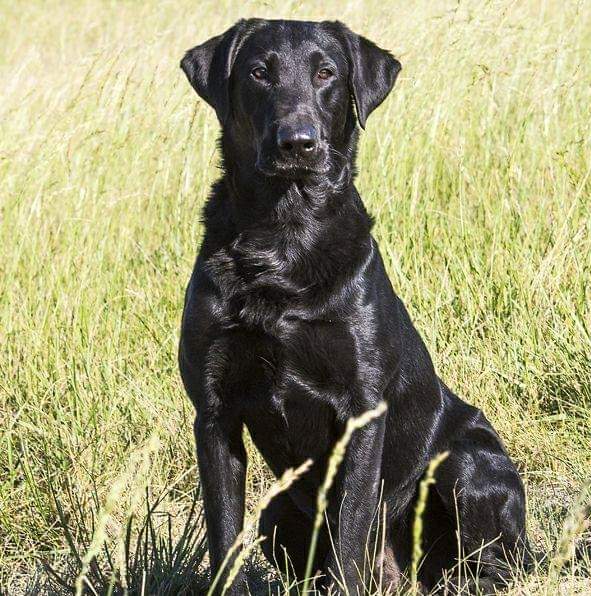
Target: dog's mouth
{"x":292,"y":169}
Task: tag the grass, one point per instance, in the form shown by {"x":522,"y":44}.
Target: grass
{"x":477,"y":169}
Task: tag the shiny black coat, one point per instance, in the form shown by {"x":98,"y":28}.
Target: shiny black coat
{"x":291,"y":325}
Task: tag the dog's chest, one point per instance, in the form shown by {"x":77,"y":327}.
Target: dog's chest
{"x":290,"y":378}
{"x":279,"y":306}
{"x":292,"y":389}
{"x":289,"y":366}
{"x":260,"y":284}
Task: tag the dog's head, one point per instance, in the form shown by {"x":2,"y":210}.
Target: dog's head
{"x":284,"y":90}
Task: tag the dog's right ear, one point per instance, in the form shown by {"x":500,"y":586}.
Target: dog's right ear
{"x":208,"y":67}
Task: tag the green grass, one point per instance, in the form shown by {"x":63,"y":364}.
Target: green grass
{"x":477,"y":168}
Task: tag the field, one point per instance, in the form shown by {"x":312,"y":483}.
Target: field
{"x":477,"y":168}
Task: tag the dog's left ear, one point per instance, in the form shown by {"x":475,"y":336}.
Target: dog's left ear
{"x":372,"y":72}
{"x":208,"y":67}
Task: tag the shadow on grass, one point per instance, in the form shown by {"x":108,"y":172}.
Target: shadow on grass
{"x":159,"y":554}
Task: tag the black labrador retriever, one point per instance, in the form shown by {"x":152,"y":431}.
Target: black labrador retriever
{"x":291,"y":327}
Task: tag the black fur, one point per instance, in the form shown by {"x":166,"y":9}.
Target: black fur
{"x":291,"y":325}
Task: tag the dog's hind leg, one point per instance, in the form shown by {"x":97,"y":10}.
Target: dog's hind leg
{"x":481,"y":489}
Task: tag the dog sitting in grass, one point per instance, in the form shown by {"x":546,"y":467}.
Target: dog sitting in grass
{"x":291,"y":327}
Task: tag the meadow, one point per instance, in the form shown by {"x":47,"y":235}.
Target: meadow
{"x":477,"y":170}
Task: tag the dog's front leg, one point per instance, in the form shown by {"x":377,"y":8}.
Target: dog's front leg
{"x":352,"y":508}
{"x":222,"y":469}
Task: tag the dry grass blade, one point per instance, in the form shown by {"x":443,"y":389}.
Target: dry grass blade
{"x":417,"y":528}
{"x":137,"y":469}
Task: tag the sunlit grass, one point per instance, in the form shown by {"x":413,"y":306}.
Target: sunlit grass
{"x":477,"y":169}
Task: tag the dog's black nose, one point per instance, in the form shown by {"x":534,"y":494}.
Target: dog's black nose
{"x":297,"y":141}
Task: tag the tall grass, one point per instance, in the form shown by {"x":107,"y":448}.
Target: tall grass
{"x":477,"y":170}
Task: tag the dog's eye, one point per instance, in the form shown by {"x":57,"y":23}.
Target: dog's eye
{"x":324,"y":74}
{"x":259,"y":73}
